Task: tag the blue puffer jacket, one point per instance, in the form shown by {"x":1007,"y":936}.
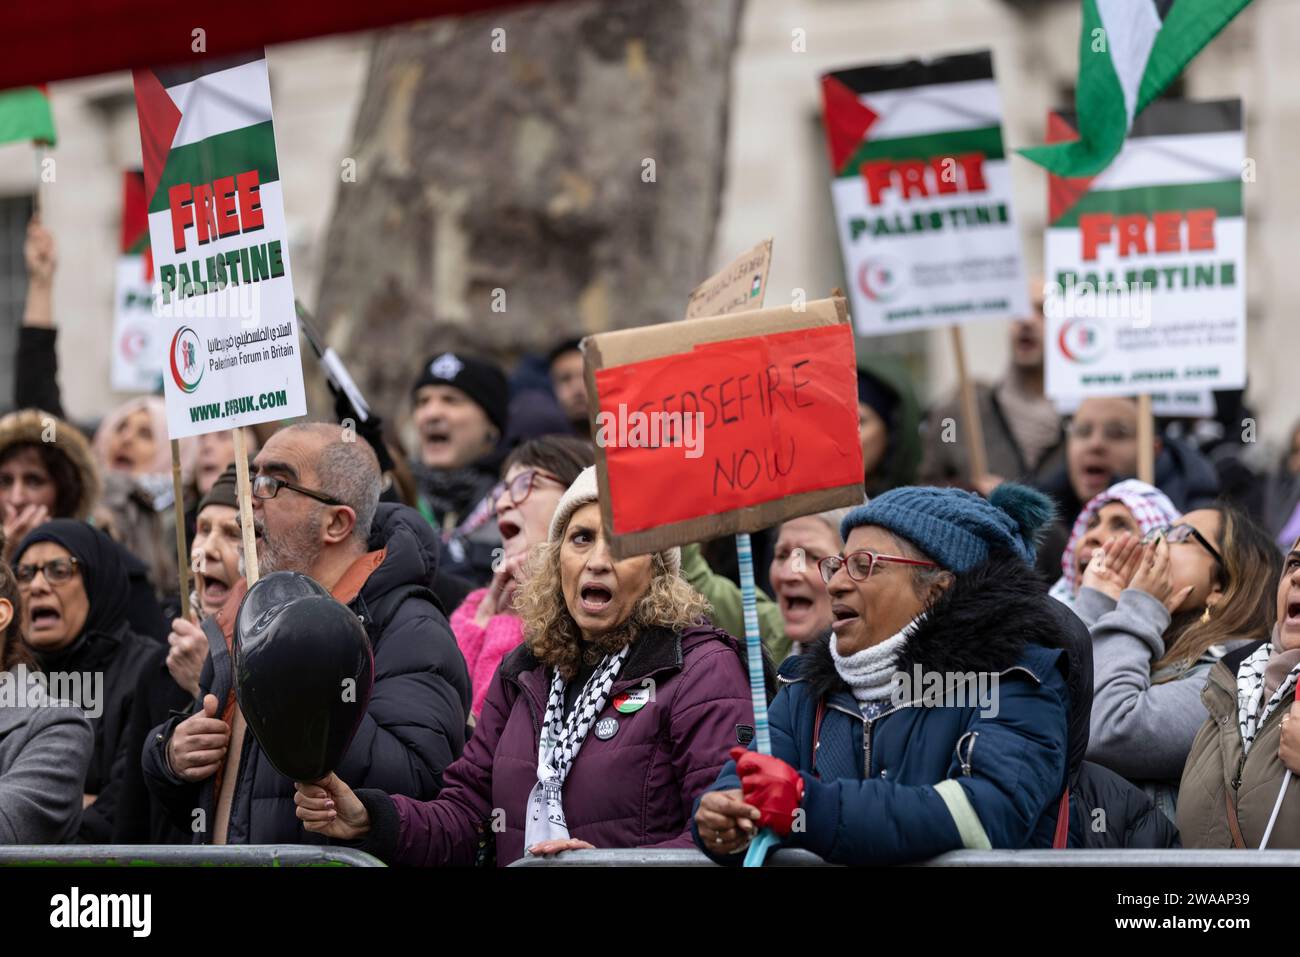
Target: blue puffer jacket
{"x":940,"y":777}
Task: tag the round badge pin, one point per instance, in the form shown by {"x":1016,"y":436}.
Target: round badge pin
{"x":606,"y":728}
{"x":630,"y":702}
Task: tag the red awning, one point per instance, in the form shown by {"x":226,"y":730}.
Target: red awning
{"x":57,"y":39}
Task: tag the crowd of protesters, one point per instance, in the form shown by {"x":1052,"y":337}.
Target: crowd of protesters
{"x":534,"y":695}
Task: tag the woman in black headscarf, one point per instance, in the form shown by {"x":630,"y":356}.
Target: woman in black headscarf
{"x":75,"y":594}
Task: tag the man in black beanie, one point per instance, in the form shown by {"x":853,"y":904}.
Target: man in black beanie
{"x":461,"y":412}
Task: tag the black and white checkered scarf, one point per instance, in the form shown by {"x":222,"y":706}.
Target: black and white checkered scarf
{"x":1250,"y":691}
{"x":561,"y":738}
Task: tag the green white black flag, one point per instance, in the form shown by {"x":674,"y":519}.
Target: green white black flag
{"x":1129,"y":52}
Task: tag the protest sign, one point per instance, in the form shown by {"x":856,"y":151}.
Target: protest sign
{"x":741,"y":286}
{"x":224,"y":288}
{"x":1174,"y":405}
{"x":922,"y":194}
{"x":1146,"y":261}
{"x":738,"y":287}
{"x":135,"y":365}
{"x":711,"y":426}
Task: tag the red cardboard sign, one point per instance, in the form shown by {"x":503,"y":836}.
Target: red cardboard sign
{"x":750,"y":426}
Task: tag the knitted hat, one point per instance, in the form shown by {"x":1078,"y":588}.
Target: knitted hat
{"x":33,"y":427}
{"x":1150,"y":508}
{"x":959,"y":529}
{"x":223,"y":491}
{"x":482,"y":381}
{"x":582,"y":492}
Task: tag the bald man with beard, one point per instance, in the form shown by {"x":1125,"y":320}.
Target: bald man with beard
{"x":316,"y":511}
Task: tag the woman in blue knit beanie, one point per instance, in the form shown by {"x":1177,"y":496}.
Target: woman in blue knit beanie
{"x":936,"y":717}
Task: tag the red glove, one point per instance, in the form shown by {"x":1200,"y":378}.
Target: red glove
{"x":770,"y":785}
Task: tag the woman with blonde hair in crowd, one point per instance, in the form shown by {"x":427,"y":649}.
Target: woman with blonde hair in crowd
{"x":639,"y":699}
{"x":134,"y":456}
{"x":801,"y":594}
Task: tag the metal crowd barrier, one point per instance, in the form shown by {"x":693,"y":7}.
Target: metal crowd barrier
{"x":183,"y":855}
{"x":296,"y":855}
{"x":786,"y":857}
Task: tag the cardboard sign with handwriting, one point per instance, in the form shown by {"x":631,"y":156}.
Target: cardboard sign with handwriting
{"x":738,"y":287}
{"x":726,"y":424}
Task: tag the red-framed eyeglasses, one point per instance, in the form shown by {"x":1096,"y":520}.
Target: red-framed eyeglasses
{"x":861,"y":564}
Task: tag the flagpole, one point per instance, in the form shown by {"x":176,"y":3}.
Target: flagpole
{"x":1146,"y":440}
{"x":245,"y":508}
{"x":970,"y":411}
{"x":38,"y":201}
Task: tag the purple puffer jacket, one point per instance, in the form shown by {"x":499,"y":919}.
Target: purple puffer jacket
{"x":635,"y":788}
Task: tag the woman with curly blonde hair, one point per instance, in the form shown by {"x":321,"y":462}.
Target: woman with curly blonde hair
{"x":600,"y":730}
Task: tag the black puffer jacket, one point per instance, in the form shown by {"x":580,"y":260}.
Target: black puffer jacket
{"x":1106,"y":811}
{"x":415,"y":721}
{"x":140,"y":817}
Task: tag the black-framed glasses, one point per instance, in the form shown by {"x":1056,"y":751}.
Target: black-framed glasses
{"x":861,"y":564}
{"x":1177,"y":534}
{"x":522,"y":484}
{"x":56,"y":571}
{"x":268,"y":486}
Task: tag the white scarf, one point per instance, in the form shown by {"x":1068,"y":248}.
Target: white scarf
{"x":869,"y":673}
{"x":561,"y":738}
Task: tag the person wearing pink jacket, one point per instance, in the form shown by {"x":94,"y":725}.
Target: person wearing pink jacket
{"x":535,"y":476}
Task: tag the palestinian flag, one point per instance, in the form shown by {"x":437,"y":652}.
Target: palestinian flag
{"x":912,"y":110}
{"x":1146,"y":261}
{"x":223,"y":300}
{"x":922,"y":193}
{"x":25,"y":115}
{"x":1178,"y":156}
{"x":198,"y":120}
{"x":1129,"y":52}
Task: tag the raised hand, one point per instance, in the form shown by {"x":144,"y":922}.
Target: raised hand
{"x":1112,"y":566}
{"x":1153,"y":576}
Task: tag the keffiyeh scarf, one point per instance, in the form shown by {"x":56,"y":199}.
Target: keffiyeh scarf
{"x":1149,"y":506}
{"x":1250,"y":690}
{"x":561,"y":739}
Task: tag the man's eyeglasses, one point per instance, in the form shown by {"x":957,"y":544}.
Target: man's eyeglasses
{"x":1177,"y":534}
{"x":56,"y":571}
{"x":522,"y":484}
{"x":860,"y":565}
{"x":1111,"y":431}
{"x":268,"y":486}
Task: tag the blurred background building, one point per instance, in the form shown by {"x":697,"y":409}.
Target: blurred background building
{"x":775,"y":176}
